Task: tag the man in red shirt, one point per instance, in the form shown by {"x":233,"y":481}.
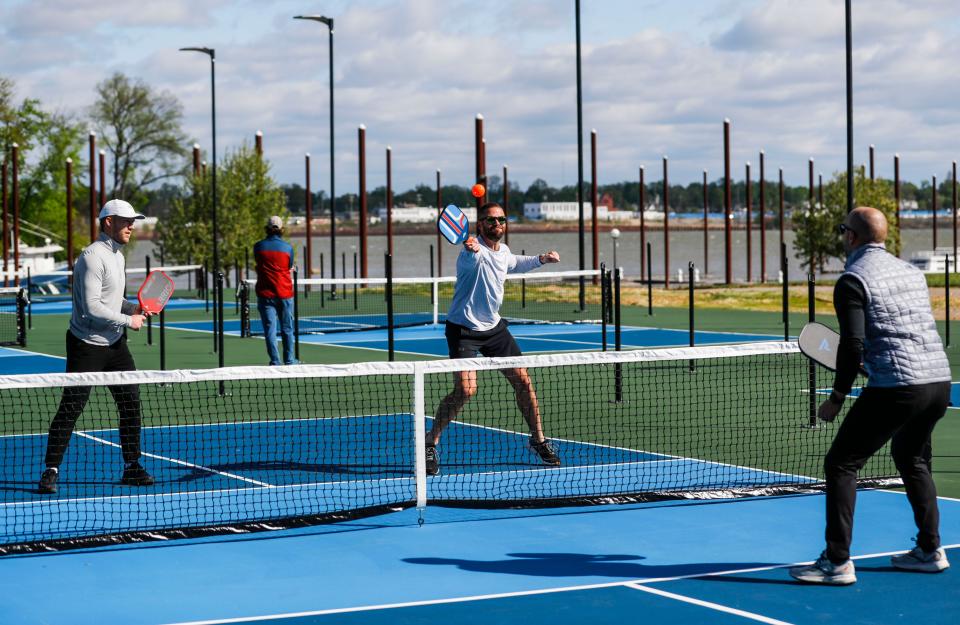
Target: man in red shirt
{"x":274,"y":258}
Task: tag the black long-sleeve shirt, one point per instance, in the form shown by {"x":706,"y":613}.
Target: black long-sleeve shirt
{"x":850,"y":302}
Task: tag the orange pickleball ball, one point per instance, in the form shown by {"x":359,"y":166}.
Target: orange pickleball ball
{"x":478,"y":190}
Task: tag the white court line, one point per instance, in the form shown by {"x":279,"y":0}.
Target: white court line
{"x":507,"y":595}
{"x":182,"y":462}
{"x":707,"y":604}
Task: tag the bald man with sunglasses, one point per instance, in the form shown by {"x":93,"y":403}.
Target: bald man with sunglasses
{"x":474,"y":326}
{"x":886,"y":322}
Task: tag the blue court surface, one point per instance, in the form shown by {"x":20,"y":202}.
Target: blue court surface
{"x":677,"y":562}
{"x":428,"y":340}
{"x":59,"y":306}
{"x":200,"y":468}
{"x":15,"y":361}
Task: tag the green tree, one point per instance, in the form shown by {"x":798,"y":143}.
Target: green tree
{"x":247,"y":196}
{"x":141,"y":130}
{"x":44,"y":140}
{"x":816,"y":233}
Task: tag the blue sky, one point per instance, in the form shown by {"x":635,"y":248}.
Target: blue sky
{"x":659,"y":78}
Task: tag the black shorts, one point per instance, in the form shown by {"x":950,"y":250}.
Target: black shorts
{"x":465,"y":343}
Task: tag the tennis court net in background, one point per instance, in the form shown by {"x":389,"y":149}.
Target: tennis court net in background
{"x":12,"y":320}
{"x":348,"y":304}
{"x":54,"y":285}
{"x":306,"y":444}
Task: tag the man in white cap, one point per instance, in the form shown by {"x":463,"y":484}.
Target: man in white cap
{"x":274,"y":258}
{"x":96,"y":342}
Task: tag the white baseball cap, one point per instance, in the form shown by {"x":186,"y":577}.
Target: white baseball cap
{"x":275,"y":222}
{"x":119,"y":208}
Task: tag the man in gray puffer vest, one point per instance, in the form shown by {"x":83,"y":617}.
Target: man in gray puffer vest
{"x":883,"y":308}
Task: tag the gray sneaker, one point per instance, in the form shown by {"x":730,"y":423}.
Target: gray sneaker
{"x":922,"y":561}
{"x":823,"y":571}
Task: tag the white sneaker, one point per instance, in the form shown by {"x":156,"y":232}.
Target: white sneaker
{"x":823,"y":571}
{"x":923,"y":561}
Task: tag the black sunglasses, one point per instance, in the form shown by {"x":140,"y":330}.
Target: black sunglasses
{"x":495,"y":220}
{"x":844,"y":228}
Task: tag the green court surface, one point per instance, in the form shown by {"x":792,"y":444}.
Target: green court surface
{"x":193,"y":350}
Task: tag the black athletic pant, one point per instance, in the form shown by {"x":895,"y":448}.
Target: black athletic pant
{"x":908,"y":415}
{"x":83,"y":357}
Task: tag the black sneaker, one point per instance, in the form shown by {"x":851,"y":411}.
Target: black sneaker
{"x":433,"y":460}
{"x":136,"y":475}
{"x":48,"y":482}
{"x":548,"y":455}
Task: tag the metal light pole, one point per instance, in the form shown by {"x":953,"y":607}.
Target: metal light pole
{"x":849,"y":41}
{"x":218,"y":311}
{"x":580,"y":157}
{"x":333,"y":193}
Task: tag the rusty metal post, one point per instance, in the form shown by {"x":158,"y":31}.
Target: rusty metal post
{"x":706,"y":234}
{"x":727,"y":208}
{"x":103,"y":174}
{"x":258,"y":143}
{"x":70,"y":214}
{"x":643,"y":225}
{"x":15,"y":190}
{"x":871,"y":163}
{"x":782,"y":243}
{"x":196,"y":159}
{"x":811,"y":206}
{"x":955,"y":216}
{"x":933,"y":191}
{"x":308,"y":197}
{"x":93,"y":186}
{"x":390,"y":203}
{"x":594,"y":200}
{"x":747,"y":192}
{"x":478,"y":152}
{"x":362,"y":191}
{"x":439,"y":242}
{"x":5,"y":232}
{"x":506,"y":205}
{"x":896,"y":196}
{"x":666,"y":225}
{"x":763,"y":222}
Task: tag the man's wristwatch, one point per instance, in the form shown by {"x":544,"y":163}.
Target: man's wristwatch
{"x":540,"y":258}
{"x":836,"y":398}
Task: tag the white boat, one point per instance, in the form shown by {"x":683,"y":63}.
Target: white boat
{"x":933,"y":261}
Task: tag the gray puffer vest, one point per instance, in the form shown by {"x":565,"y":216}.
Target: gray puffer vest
{"x":902,"y":346}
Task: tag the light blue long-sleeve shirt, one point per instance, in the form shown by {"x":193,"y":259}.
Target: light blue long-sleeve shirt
{"x":100,"y":311}
{"x":479,"y":290}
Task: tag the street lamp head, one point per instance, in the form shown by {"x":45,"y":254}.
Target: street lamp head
{"x":207,"y":51}
{"x":316,"y":18}
{"x":615,"y":234}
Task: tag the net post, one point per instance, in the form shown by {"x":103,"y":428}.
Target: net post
{"x":388,"y":270}
{"x":433,"y":294}
{"x":811,"y":366}
{"x":23,"y":297}
{"x":420,"y":437}
{"x":244,"y":295}
{"x":236,"y":279}
{"x":523,"y":288}
{"x":785,"y":304}
{"x":296,"y":313}
{"x":219,"y":333}
{"x":604,"y":312}
{"x":323,"y":295}
{"x":216,"y":308}
{"x":354,"y":277}
{"x":149,"y":319}
{"x":649,"y":283}
{"x":29,"y":305}
{"x":946,"y":276}
{"x":617,"y":338}
{"x":435,"y":299}
{"x":690,"y":311}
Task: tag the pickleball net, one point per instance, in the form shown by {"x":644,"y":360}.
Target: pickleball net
{"x":12,"y":316}
{"x":286,"y":446}
{"x":326,"y":305}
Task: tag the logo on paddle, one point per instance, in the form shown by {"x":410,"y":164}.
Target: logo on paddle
{"x":824,"y":346}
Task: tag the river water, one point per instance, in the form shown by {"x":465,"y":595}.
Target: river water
{"x":412,"y":252}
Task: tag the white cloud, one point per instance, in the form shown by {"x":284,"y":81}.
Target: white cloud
{"x":416,"y":72}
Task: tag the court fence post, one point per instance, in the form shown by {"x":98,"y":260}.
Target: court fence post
{"x":690,"y":317}
{"x":649,"y":282}
{"x":617,"y":337}
{"x":946,"y":276}
{"x":604,"y":300}
{"x":812,"y":367}
{"x":163,"y":339}
{"x":23,"y":297}
{"x":784,"y":269}
{"x":296,"y":313}
{"x":29,"y":304}
{"x":218,"y":335}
